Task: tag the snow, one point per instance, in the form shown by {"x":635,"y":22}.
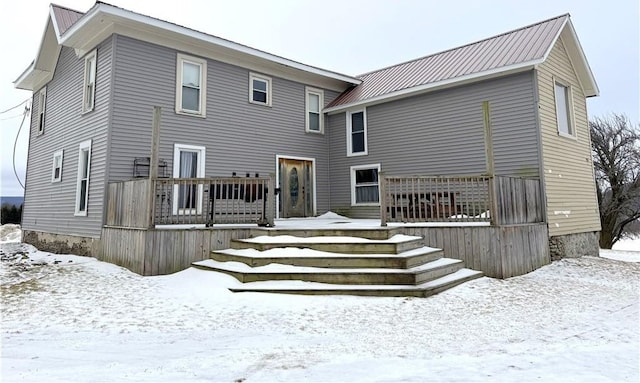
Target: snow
{"x":67,"y":318}
{"x":284,"y":252}
{"x":289,"y":239}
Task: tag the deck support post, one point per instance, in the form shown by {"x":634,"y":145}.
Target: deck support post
{"x":383,"y":199}
{"x":153,"y":166}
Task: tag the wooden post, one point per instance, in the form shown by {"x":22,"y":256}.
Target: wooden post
{"x":383,"y":199}
{"x":153,"y":165}
{"x":488,"y":138}
{"x":271,"y":200}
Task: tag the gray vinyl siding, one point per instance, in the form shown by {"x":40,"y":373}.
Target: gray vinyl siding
{"x":50,"y":207}
{"x":239,"y":137}
{"x":441,"y":133}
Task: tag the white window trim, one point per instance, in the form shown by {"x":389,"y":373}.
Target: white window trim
{"x":42,"y":105}
{"x":353,"y":184}
{"x":571,"y":123}
{"x":58,"y":154}
{"x":350,"y":152}
{"x":177,"y":148}
{"x":202,"y":63}
{"x":320,"y":94}
{"x":89,"y":104}
{"x":255,"y":76}
{"x":85,"y":145}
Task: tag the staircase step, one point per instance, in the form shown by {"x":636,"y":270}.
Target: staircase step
{"x":379,"y":233}
{"x":352,"y":245}
{"x":310,"y":288}
{"x":364,"y":276}
{"x":314,"y":258}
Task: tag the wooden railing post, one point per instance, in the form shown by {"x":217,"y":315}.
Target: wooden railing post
{"x":271,"y":200}
{"x":383,"y":199}
{"x":153,"y":166}
{"x":493,"y":200}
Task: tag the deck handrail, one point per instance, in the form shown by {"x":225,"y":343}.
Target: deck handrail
{"x":500,"y":200}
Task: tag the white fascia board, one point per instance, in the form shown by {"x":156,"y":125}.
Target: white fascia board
{"x":506,"y":70}
{"x":106,"y":9}
{"x":595,"y":91}
{"x":52,"y":17}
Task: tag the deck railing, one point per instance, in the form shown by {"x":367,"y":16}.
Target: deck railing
{"x":496,"y":199}
{"x":236,"y":200}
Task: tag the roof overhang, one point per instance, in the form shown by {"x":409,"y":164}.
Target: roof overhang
{"x":578,"y":60}
{"x":103,"y":20}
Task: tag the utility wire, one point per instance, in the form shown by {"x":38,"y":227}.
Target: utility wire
{"x":24,"y":116}
{"x":14,"y":107}
{"x":11,"y":118}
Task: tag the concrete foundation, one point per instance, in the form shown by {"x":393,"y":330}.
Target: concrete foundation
{"x":574,"y":245}
{"x":62,"y":244}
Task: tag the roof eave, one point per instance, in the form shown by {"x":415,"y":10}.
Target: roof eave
{"x":73,"y":38}
{"x":590,"y":87}
{"x":426,"y":88}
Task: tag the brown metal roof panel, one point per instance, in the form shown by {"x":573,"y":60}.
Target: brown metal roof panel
{"x":65,"y":17}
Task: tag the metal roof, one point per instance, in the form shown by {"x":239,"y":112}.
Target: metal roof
{"x":64,"y":17}
{"x":523,"y":45}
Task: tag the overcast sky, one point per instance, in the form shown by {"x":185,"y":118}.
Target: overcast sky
{"x":345,"y":36}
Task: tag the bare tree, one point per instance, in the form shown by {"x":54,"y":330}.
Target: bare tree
{"x":615,"y":147}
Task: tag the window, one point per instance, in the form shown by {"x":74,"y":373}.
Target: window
{"x":89,"y":92}
{"x":84,"y":169}
{"x":56,"y":172}
{"x":314,"y":103}
{"x":365,"y":188}
{"x":563,"y":109}
{"x":191,"y":85}
{"x":357,"y":133}
{"x":188,"y":162}
{"x":42,"y":103}
{"x":259,"y":89}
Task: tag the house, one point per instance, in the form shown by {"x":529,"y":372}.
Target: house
{"x":510,"y":105}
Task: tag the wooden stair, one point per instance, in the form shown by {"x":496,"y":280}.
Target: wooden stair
{"x":322,"y":264}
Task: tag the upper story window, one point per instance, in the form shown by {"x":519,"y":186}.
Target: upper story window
{"x":42,"y":103}
{"x":191,"y":85}
{"x":357,"y":133}
{"x":89,"y":90}
{"x":314,"y":103}
{"x":82,"y":182}
{"x":259,"y":89}
{"x":563,"y":109}
{"x":56,"y":172}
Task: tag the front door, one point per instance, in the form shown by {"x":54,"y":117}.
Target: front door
{"x":296,"y":188}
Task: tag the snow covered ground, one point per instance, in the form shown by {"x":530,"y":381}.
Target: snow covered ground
{"x":74,"y":319}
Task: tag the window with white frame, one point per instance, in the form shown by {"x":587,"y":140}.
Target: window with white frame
{"x":188,"y":162}
{"x":259,"y":89}
{"x":314,"y":103}
{"x":357,"y":133}
{"x":191,"y":85}
{"x":89,"y":90}
{"x":56,"y":171}
{"x":82,"y":184}
{"x":42,"y":103}
{"x":563,"y":109}
{"x":365,"y":188}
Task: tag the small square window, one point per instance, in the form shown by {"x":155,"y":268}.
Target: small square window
{"x":365,"y":188}
{"x":89,"y":90}
{"x":314,"y":121}
{"x":56,"y":171}
{"x":259,"y":89}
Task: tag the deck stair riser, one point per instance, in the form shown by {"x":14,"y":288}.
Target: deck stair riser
{"x":416,"y":258}
{"x":376,"y":234}
{"x":339,"y":247}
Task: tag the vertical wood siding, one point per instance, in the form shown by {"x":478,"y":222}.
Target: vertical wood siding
{"x":239,"y":137}
{"x":441,"y":133}
{"x":572,"y":205}
{"x":50,"y":207}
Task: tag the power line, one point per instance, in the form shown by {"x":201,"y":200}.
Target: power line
{"x":15,"y":172}
{"x":14,"y":107}
{"x":12,"y":117}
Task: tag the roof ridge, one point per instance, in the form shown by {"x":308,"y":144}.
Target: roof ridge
{"x":66,"y":8}
{"x":360,"y":76}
